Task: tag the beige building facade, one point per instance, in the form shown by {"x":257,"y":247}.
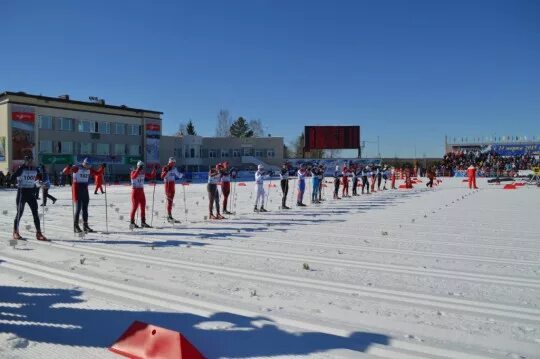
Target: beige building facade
{"x":58,"y":131}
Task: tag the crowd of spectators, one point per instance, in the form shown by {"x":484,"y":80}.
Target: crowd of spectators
{"x":488,"y":164}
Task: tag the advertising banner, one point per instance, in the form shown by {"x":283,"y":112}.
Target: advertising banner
{"x":2,"y":148}
{"x":55,"y":159}
{"x":331,"y":137}
{"x":23,"y":119}
{"x":516,"y":150}
{"x":152,"y":150}
{"x":132,"y":160}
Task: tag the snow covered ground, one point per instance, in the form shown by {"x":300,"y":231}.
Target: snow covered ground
{"x":442,"y":273}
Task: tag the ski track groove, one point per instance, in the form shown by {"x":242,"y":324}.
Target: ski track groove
{"x":394,"y":349}
{"x":432,"y":301}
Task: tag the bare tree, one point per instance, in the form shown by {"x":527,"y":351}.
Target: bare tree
{"x":257,"y":127}
{"x":182,"y":130}
{"x":224,"y":122}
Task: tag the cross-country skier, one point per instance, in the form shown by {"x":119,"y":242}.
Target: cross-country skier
{"x":214,"y":176}
{"x":284,"y":182}
{"x":431,"y":177}
{"x":322,"y":170}
{"x":138,"y":199}
{"x":354,"y":175}
{"x":336,"y":183}
{"x":365,"y":181}
{"x":315,"y":185}
{"x":98,"y":178}
{"x":471,"y":174}
{"x":81,"y":173}
{"x":345,"y":181}
{"x":169,"y":174}
{"x":379,"y":178}
{"x":225,"y":185}
{"x":393,"y":177}
{"x":372,"y":176}
{"x":302,"y":173}
{"x":27,"y":179}
{"x":260,"y":175}
{"x":46,"y":184}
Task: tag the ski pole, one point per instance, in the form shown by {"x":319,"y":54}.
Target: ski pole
{"x":43,"y":212}
{"x":106,"y":204}
{"x":185,"y":207}
{"x":268,"y":194}
{"x":73,"y":207}
{"x":153,"y":198}
{"x":293,"y":190}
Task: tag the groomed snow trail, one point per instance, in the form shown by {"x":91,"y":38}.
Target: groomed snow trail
{"x":442,"y":273}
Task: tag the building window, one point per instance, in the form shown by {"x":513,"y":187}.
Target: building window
{"x":102,"y":149}
{"x":178,"y":152}
{"x":133,"y":130}
{"x":66,"y":124}
{"x":212,"y":153}
{"x":258,"y":153}
{"x":45,"y":122}
{"x":120,"y":128}
{"x":236,"y":153}
{"x":192,"y":152}
{"x":224,"y":153}
{"x":45,"y":147}
{"x":85,"y":126}
{"x":134,"y":150}
{"x":119,"y":149}
{"x":247,"y":151}
{"x":271,"y":153}
{"x":85,"y":148}
{"x":104,"y":128}
{"x":65,"y":147}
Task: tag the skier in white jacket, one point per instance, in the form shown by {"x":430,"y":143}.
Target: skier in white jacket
{"x":260,"y":175}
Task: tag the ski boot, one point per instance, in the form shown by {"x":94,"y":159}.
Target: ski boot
{"x":219,"y":216}
{"x":16,"y":235}
{"x":76,"y":228}
{"x":262,"y":209}
{"x":145,"y":225}
{"x":285,"y":207}
{"x":211,"y":216}
{"x":255,"y":209}
{"x":226,"y":212}
{"x":41,"y":237}
{"x":87,"y":229}
{"x":133,"y":225}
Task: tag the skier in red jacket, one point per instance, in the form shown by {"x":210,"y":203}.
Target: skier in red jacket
{"x":138,"y":199}
{"x":98,"y":178}
{"x":471,"y":174}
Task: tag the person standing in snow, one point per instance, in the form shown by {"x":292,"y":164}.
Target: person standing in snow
{"x":284,"y":182}
{"x":471,"y":174}
{"x":260,"y":175}
{"x":302,"y":173}
{"x":28,"y":179}
{"x":365,"y":181}
{"x":214,"y":177}
{"x":138,"y":199}
{"x":345,"y":180}
{"x":169,"y":174}
{"x":98,"y":178}
{"x":315,"y":185}
{"x":225,"y":185}
{"x":354,"y":179}
{"x":45,"y":186}
{"x":336,"y":183}
{"x":81,"y":173}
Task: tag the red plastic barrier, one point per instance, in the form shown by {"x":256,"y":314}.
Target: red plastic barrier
{"x":509,"y":186}
{"x":241,"y":184}
{"x":142,"y":340}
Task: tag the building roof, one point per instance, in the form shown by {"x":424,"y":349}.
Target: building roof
{"x":75,"y":102}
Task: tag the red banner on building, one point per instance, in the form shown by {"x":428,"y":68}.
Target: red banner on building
{"x":23,"y":116}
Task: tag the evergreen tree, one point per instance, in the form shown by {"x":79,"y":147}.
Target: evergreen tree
{"x":190,"y":129}
{"x":240,"y":128}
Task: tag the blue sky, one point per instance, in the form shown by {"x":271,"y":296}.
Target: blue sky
{"x":407,"y":71}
